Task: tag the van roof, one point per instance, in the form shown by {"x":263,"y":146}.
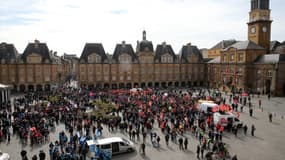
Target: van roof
{"x":209,"y":104}
{"x":205,"y":101}
{"x":226,"y":114}
{"x":105,"y":141}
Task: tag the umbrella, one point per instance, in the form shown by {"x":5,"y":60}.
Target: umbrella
{"x":244,"y":94}
{"x":33,"y":129}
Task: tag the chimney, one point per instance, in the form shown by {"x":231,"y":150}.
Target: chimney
{"x":123,"y":43}
{"x":37,"y":42}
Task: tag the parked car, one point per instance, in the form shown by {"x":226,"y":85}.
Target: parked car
{"x":115,"y":145}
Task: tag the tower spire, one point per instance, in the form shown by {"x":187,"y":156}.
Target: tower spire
{"x":144,"y":35}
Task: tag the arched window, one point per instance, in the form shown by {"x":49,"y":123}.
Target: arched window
{"x":125,"y":58}
{"x":94,"y":58}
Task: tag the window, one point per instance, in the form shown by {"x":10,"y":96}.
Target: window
{"x":232,"y":56}
{"x":125,"y":58}
{"x":224,"y":58}
{"x":106,"y":146}
{"x":123,"y":144}
{"x":94,"y":58}
{"x":34,"y":58}
{"x":269,"y":73}
{"x":240,"y":57}
{"x":167,"y":58}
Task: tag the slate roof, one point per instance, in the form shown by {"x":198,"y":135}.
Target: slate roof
{"x":145,"y":44}
{"x":38,"y":48}
{"x":270,"y":58}
{"x":188,"y":50}
{"x":90,"y":48}
{"x":162,"y":49}
{"x":124,"y":48}
{"x":223,"y":44}
{"x":215,"y":60}
{"x":8,"y":52}
{"x":274,"y":45}
{"x":244,"y":45}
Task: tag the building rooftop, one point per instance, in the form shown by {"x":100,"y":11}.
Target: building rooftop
{"x":244,"y":45}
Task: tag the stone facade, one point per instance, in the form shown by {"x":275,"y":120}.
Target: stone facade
{"x":253,"y":65}
{"x":36,"y":69}
{"x":144,"y":67}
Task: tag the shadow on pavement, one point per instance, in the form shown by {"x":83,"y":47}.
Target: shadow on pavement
{"x":276,"y":123}
{"x":125,"y":156}
{"x":259,"y":138}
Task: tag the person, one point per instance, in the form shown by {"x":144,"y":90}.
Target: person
{"x":167,"y":139}
{"x":245,"y":129}
{"x":198,"y":151}
{"x":269,"y":96}
{"x":234,"y":157}
{"x":158,"y":139}
{"x":24,"y":155}
{"x":143,"y":148}
{"x":185,"y":143}
{"x":270,"y":117}
{"x":202,"y":152}
{"x":34,"y":157}
{"x":144,"y":135}
{"x":250,"y":111}
{"x":42,"y":155}
{"x":259,"y":103}
{"x":252,"y":130}
{"x":180,"y":140}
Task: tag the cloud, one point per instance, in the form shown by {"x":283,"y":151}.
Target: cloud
{"x":66,"y":25}
{"x":118,"y":12}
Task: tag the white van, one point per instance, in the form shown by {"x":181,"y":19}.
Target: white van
{"x":114,"y":145}
{"x":224,"y":119}
{"x":207,"y":107}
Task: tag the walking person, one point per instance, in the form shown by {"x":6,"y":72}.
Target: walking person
{"x":198,"y":151}
{"x":250,"y":111}
{"x":143,"y":148}
{"x":166,"y":137}
{"x":158,"y":140}
{"x":202,"y":152}
{"x":245,"y":129}
{"x":270,"y":117}
{"x":253,"y":130}
{"x":42,"y":155}
{"x":180,"y":140}
{"x":185,"y":143}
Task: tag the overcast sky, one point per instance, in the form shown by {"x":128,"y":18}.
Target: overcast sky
{"x":66,"y":25}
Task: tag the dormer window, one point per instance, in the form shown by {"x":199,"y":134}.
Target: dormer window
{"x":146,"y":49}
{"x":166,"y":58}
{"x":34,"y":58}
{"x":125,"y":58}
{"x":94,"y":58}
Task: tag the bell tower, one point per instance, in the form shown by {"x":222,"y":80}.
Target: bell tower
{"x":259,"y":25}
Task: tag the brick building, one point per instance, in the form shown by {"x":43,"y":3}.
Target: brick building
{"x":255,"y":64}
{"x":145,"y":67}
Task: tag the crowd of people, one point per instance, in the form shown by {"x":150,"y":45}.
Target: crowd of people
{"x":137,"y":113}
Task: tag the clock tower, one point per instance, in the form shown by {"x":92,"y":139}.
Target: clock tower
{"x":259,"y":25}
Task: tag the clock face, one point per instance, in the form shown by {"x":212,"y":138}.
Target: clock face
{"x":264,"y":29}
{"x":252,"y":30}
